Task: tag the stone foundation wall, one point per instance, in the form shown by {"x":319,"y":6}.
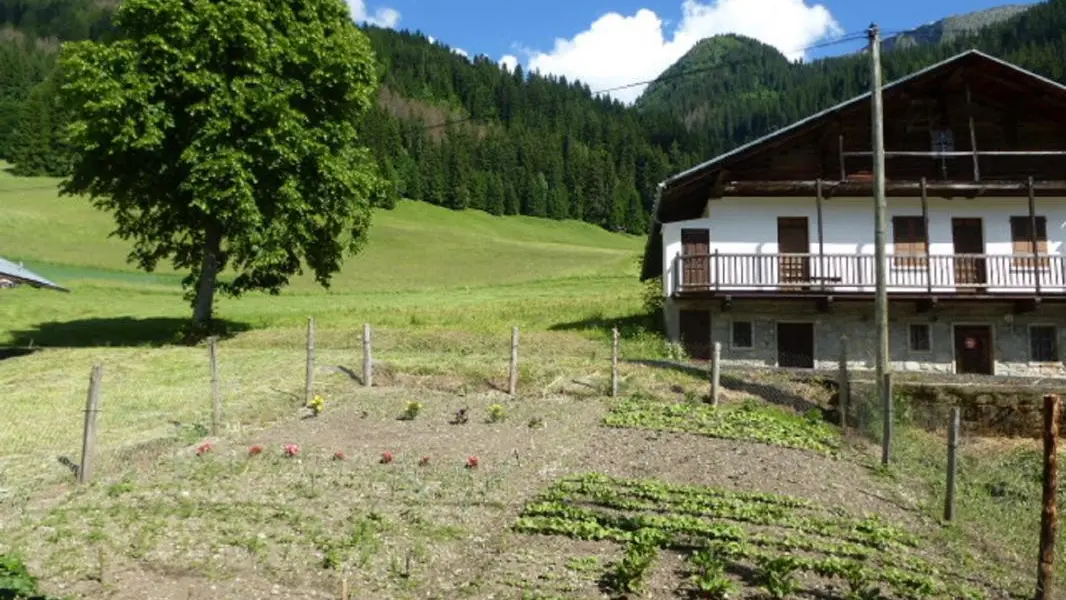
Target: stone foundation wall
{"x":856,"y":321}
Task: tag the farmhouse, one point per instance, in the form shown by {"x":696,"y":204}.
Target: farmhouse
{"x":768,"y":249}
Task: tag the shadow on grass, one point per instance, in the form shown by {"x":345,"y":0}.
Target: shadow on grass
{"x":121,"y":332}
{"x":770,"y":393}
{"x":629,"y":327}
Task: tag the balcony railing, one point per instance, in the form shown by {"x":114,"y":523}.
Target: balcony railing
{"x":840,"y":273}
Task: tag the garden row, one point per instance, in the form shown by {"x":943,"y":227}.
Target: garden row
{"x":745,"y":421}
{"x":773,"y":539}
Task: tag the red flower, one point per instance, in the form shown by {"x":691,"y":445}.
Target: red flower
{"x":424,"y":461}
{"x":386,"y":458}
{"x":472,"y":462}
{"x":203,"y":448}
{"x":338,"y":455}
{"x":292,"y":450}
{"x":255,"y":450}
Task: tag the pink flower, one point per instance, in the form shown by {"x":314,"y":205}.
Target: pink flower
{"x":472,"y":462}
{"x":292,"y":450}
{"x":386,"y":458}
{"x":255,"y":450}
{"x":338,"y":455}
{"x":203,"y":448}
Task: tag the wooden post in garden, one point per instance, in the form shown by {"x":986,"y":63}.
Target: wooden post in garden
{"x":716,"y":372}
{"x":88,"y":438}
{"x":614,"y":363}
{"x":513,"y":385}
{"x":216,"y":395}
{"x":889,"y":417}
{"x":368,"y":369}
{"x":953,"y":446}
{"x":1049,"y":515}
{"x":309,"y":389}
{"x":843,"y":385}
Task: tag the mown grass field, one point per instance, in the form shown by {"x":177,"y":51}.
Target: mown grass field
{"x":574,"y":495}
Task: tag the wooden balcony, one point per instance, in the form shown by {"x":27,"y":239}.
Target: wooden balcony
{"x":840,"y":274}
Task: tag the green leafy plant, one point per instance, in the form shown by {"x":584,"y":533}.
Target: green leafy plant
{"x":16,"y":582}
{"x":497,"y":413}
{"x":778,"y":575}
{"x":411,"y":410}
{"x":628,"y":575}
{"x":710,"y":580}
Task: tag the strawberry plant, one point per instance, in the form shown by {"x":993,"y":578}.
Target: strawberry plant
{"x":339,"y":455}
{"x":255,"y":450}
{"x":424,"y":461}
{"x":472,"y":462}
{"x":204,"y":448}
{"x":386,"y":458}
{"x":291,"y":450}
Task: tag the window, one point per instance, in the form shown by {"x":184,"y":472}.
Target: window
{"x":908,"y":242}
{"x":920,"y":338}
{"x":943,"y":140}
{"x":743,"y":336}
{"x":1043,"y":343}
{"x":1022,"y":241}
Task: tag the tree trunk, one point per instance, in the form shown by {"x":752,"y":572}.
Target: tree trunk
{"x":205,"y":288}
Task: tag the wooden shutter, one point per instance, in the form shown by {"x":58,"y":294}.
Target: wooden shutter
{"x":908,"y":241}
{"x":1022,"y":241}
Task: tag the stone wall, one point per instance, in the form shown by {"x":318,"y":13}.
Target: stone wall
{"x":986,"y":410}
{"x":855,"y":320}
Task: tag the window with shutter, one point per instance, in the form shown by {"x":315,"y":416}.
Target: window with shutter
{"x":908,"y":242}
{"x":1022,"y":240}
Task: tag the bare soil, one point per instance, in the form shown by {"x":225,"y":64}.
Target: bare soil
{"x":226,"y":525}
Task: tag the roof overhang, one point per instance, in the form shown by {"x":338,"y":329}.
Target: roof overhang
{"x":19,"y":274}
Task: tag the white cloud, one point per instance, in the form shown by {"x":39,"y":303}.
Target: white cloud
{"x":509,"y":62}
{"x":617,"y":50}
{"x":382,"y":17}
{"x":461,"y":52}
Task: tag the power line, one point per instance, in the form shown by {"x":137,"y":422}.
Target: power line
{"x":849,"y":37}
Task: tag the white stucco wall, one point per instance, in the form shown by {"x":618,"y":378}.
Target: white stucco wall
{"x":749,"y":226}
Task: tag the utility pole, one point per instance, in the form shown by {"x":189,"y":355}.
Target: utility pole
{"x":880,"y":266}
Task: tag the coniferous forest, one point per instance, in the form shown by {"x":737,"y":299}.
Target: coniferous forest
{"x":466,"y":133}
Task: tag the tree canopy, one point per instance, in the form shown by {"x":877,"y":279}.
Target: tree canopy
{"x":221,"y":134}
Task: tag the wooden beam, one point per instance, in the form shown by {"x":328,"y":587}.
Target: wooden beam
{"x":973,"y":135}
{"x":925,"y":221}
{"x":843,"y":169}
{"x":1032,"y":235}
{"x":899,"y":187}
{"x":821,"y":229}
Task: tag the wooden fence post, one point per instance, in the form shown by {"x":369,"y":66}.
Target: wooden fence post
{"x":513,"y":386}
{"x":843,"y":385}
{"x":368,"y":369}
{"x":216,"y":395}
{"x":614,"y":363}
{"x":1049,"y":515}
{"x":309,"y":390}
{"x":88,"y":438}
{"x":716,"y":372}
{"x":953,"y":446}
{"x":886,"y":442}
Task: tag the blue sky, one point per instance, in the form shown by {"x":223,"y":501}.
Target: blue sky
{"x":613,"y":42}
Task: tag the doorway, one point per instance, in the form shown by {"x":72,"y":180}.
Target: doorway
{"x":973,"y":350}
{"x":793,"y":237}
{"x":696,"y":333}
{"x":695,"y":246}
{"x":795,"y":345}
{"x":967,"y":237}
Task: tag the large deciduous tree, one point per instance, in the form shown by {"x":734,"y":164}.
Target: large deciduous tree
{"x":221,"y":134}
